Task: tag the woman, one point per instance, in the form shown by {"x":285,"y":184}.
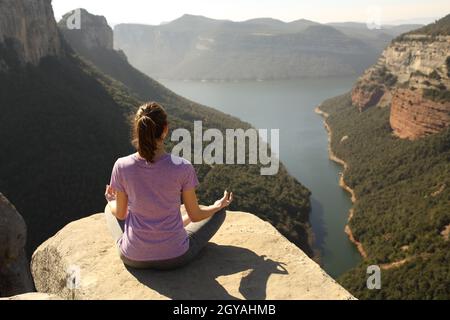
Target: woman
{"x":145,"y":192}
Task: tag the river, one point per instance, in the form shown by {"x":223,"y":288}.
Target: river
{"x":289,"y":106}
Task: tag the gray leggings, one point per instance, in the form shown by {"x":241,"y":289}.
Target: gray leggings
{"x":199,"y":235}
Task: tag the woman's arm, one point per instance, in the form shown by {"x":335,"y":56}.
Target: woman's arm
{"x":196,"y":213}
{"x":118,"y":202}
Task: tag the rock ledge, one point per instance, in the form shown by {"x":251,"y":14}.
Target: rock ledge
{"x":247,"y":259}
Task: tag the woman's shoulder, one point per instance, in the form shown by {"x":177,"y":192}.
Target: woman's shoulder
{"x":127,"y":161}
{"x":179,"y":162}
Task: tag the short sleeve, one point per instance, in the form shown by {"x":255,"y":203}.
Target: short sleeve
{"x":117,"y":182}
{"x":190,"y":181}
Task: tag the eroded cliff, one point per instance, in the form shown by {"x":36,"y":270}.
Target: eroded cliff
{"x":28,"y":31}
{"x":413,"y":116}
{"x":412,"y":76}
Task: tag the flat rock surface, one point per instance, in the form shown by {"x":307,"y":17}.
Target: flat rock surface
{"x":247,"y":259}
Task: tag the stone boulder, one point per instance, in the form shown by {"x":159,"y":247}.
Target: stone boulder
{"x":247,"y":259}
{"x":15,"y":277}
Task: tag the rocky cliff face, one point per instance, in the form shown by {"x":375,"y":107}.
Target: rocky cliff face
{"x":247,"y":259}
{"x":28,"y":30}
{"x":412,"y":76}
{"x":413,"y":116}
{"x":15,"y":277}
{"x":86,"y":30}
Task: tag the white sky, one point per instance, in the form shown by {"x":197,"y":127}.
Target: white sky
{"x":155,"y":12}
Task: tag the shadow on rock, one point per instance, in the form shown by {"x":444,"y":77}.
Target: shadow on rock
{"x":199,"y":280}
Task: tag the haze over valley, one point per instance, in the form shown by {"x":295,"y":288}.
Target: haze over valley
{"x":199,"y":48}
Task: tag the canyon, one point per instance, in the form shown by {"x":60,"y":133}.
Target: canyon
{"x":392,"y":132}
{"x":83,"y":109}
{"x":80,"y":98}
{"x":77,"y":91}
{"x":185,"y":113}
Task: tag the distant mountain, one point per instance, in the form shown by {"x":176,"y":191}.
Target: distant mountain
{"x":65,"y":120}
{"x":361,"y":28}
{"x":378,"y":39}
{"x":420,"y":20}
{"x":196,"y":47}
{"x":302,"y":24}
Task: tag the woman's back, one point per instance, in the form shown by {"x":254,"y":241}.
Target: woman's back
{"x":146,"y":191}
{"x":154,"y":228}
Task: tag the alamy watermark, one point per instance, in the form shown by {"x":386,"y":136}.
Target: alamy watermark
{"x":238,"y":146}
{"x":374,"y":279}
{"x":374,"y":14}
{"x":73,"y":279}
{"x":73,"y":22}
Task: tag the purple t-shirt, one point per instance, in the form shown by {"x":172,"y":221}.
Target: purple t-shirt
{"x":154,"y":227}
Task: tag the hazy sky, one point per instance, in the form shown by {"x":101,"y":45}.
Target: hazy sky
{"x":155,"y":12}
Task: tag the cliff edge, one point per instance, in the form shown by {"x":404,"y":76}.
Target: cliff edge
{"x":247,"y":259}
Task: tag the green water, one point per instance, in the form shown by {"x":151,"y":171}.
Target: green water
{"x":289,"y":106}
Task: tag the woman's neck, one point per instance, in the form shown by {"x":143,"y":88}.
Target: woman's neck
{"x":159,"y":153}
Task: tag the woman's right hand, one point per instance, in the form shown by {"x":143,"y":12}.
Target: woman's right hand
{"x":110,"y":194}
{"x":225,"y":201}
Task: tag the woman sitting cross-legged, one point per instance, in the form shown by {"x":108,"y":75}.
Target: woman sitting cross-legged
{"x":144,"y":199}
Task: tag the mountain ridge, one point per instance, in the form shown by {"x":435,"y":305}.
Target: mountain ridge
{"x":256,"y":49}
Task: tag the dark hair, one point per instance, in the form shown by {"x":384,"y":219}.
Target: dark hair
{"x":148,"y":127}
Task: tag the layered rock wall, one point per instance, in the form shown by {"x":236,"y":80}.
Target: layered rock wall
{"x":413,"y":117}
{"x":412,"y":76}
{"x":28,"y":28}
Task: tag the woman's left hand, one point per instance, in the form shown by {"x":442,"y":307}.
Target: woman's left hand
{"x":110,"y":194}
{"x":225,"y":201}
